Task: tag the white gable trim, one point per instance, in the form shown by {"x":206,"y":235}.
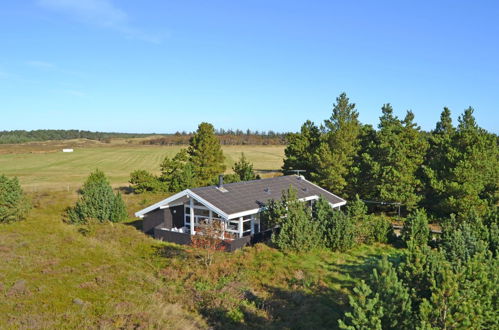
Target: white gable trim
{"x":208,"y":204}
{"x":141,"y":213}
{"x":165,"y":204}
{"x":343,"y":202}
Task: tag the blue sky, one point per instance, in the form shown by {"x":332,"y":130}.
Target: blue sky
{"x":163,"y":66}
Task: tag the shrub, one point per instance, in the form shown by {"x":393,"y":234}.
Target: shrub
{"x":340,"y":231}
{"x":374,"y":229}
{"x":14,"y":205}
{"x":299,"y":232}
{"x":366,"y":310}
{"x":144,"y":181}
{"x":416,"y":231}
{"x":357,"y":209}
{"x":208,"y":240}
{"x":97,"y":201}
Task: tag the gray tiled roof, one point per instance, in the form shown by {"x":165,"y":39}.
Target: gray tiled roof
{"x":249,"y":195}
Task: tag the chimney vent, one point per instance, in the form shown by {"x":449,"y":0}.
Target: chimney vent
{"x":220,"y":181}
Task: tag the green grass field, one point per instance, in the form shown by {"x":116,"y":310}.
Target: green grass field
{"x":44,"y":166}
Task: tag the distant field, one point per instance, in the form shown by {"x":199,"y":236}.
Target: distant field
{"x":41,"y":166}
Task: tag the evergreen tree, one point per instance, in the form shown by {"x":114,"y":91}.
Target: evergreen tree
{"x":394,"y":297}
{"x":118,"y":209}
{"x":438,"y":163}
{"x":97,"y":201}
{"x":357,"y":209}
{"x":463,"y":298}
{"x":397,"y":155}
{"x":338,"y":148}
{"x":363,"y":178}
{"x":301,"y":148}
{"x":321,"y":213}
{"x":416,"y":231}
{"x":366,"y":311}
{"x":340,"y":231}
{"x":244,"y":169}
{"x":177,"y":173}
{"x":143,"y":181}
{"x":418,"y":269}
{"x":298,"y":232}
{"x":473,"y":182}
{"x":206,"y":155}
{"x":14,"y":205}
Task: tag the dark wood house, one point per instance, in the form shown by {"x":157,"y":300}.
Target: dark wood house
{"x":236,"y":205}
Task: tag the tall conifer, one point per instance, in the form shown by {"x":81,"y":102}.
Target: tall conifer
{"x":206,"y":154}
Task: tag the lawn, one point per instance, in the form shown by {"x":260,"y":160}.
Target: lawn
{"x":42,"y":166}
{"x":55,"y":275}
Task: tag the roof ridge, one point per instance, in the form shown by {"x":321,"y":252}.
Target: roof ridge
{"x":249,"y":181}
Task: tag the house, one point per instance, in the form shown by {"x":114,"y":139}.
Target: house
{"x":236,"y":205}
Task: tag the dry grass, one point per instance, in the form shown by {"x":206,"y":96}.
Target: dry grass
{"x":55,"y":275}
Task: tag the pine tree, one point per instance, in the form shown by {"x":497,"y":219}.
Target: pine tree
{"x":143,"y":181}
{"x":177,"y":173}
{"x":298,"y":232}
{"x":416,"y":231}
{"x":357,"y":209}
{"x":14,"y":205}
{"x":340,"y":231}
{"x":244,"y":169}
{"x":438,"y":163}
{"x":394,"y":297}
{"x":97,"y":201}
{"x":206,"y":155}
{"x":366,"y":311}
{"x":301,"y":148}
{"x":363,"y":178}
{"x":395,"y":159}
{"x":338,"y":148}
{"x":473,"y":181}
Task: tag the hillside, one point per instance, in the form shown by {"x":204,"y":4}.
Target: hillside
{"x":56,"y":275}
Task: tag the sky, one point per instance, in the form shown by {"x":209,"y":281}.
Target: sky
{"x":165,"y":66}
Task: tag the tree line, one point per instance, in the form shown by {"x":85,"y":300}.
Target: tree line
{"x":451,"y":169}
{"x":21,"y":136}
{"x":226,"y":137}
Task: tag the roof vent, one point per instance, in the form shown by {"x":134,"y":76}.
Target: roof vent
{"x":267,"y":190}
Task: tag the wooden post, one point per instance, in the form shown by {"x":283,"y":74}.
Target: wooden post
{"x":191,"y":213}
{"x":240,"y":226}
